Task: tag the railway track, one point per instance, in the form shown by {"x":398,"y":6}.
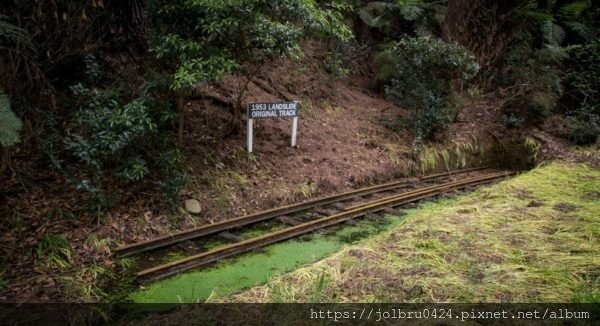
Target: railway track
{"x":346,"y":213}
{"x":171,"y":239}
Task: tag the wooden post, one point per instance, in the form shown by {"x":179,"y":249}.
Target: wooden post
{"x":250,"y":135}
{"x":294,"y":129}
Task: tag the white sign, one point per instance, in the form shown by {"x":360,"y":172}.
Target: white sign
{"x":273,"y":110}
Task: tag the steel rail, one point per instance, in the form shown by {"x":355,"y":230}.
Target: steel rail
{"x":167,"y":240}
{"x":175,"y":267}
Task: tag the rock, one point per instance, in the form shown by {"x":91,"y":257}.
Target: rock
{"x":193,"y":206}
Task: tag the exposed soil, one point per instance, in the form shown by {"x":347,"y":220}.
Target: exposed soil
{"x":342,"y":144}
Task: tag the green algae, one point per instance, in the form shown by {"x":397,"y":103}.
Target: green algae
{"x":255,"y":268}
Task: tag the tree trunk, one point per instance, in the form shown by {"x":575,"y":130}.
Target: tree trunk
{"x":132,"y":17}
{"x":484,"y":27}
{"x":235,"y":125}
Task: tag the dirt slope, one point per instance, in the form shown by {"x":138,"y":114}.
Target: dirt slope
{"x":341,"y":145}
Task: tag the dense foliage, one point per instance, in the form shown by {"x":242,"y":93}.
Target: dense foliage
{"x":200,"y":41}
{"x":93,"y":97}
{"x":99,"y":86}
{"x":115,"y":125}
{"x":420,"y":74}
{"x":583,"y":87}
{"x":550,"y":67}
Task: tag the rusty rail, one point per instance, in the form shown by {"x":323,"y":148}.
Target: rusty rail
{"x":175,"y":267}
{"x":167,"y":240}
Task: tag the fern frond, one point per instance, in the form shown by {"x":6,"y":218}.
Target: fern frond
{"x":411,"y":13}
{"x":537,"y":17}
{"x":552,"y":54}
{"x":14,"y":34}
{"x":371,"y":21}
{"x":409,"y":2}
{"x":588,"y":33}
{"x":574,"y":9}
{"x":553,"y":33}
{"x":380,"y":6}
{"x":10,"y":125}
{"x":366,"y":17}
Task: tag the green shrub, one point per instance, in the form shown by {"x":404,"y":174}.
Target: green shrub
{"x":534,"y":67}
{"x":106,"y":130}
{"x":128,"y":139}
{"x":201,"y":41}
{"x":420,"y":74}
{"x":534,"y":78}
{"x":585,"y":128}
{"x":583,"y":74}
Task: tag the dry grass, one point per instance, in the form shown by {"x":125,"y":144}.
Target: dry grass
{"x":493,"y":245}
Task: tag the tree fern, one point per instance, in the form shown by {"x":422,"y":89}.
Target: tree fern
{"x":9,"y":123}
{"x":410,"y":9}
{"x":574,"y":9}
{"x":552,"y":54}
{"x":587,"y":32}
{"x":411,"y":13}
{"x":372,"y":21}
{"x":379,"y":14}
{"x":553,"y":33}
{"x":373,"y":14}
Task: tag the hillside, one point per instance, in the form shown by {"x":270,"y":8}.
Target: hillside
{"x":124,"y":122}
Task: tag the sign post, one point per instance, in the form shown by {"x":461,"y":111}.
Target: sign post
{"x":294,"y":129}
{"x":273,"y":110}
{"x":250,"y":135}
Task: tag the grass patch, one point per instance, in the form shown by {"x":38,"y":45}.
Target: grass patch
{"x":489,"y":246}
{"x":54,"y":251}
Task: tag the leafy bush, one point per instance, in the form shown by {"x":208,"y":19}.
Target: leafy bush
{"x":534,"y":75}
{"x":583,"y":74}
{"x":334,"y":64}
{"x":420,"y":74}
{"x":539,"y":53}
{"x":401,"y":16}
{"x":123,"y":138}
{"x":584,"y":129}
{"x":200,"y":41}
{"x":107,"y":129}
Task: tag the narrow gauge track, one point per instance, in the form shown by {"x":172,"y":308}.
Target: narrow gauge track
{"x":178,"y":266}
{"x":171,"y":239}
